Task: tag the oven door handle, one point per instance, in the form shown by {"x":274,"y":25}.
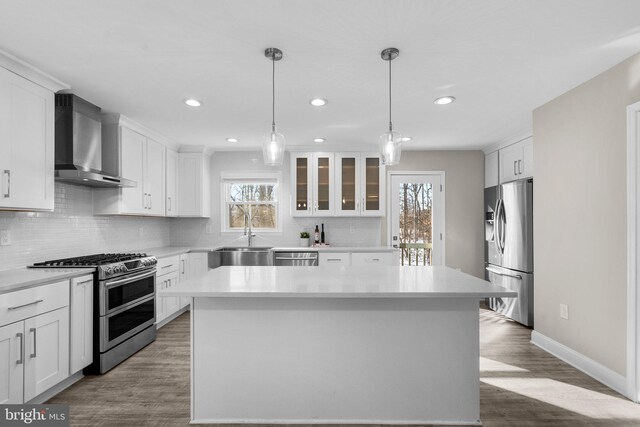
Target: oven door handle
{"x":128,"y":279}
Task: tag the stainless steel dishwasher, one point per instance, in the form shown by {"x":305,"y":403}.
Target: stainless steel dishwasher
{"x":296,"y":259}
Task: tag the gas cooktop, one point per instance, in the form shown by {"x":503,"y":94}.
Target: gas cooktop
{"x":107,"y":265}
{"x":90,"y":260}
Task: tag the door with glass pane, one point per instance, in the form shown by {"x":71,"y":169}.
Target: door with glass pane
{"x":347,"y":184}
{"x":359,"y":185}
{"x":417,"y":217}
{"x":323,"y":197}
{"x":372,"y":185}
{"x":301,"y":178}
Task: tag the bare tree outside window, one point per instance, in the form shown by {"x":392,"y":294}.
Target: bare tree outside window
{"x":258,"y":199}
{"x":416,"y":223}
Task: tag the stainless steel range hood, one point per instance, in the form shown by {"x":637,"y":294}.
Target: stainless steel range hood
{"x":79,"y":147}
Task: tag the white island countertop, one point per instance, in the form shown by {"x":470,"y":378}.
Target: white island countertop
{"x":337,"y":282}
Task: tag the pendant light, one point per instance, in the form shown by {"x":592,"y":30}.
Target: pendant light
{"x":390,"y":142}
{"x":273,"y":143}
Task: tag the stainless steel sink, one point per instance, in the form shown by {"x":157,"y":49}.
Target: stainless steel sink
{"x":240,"y":255}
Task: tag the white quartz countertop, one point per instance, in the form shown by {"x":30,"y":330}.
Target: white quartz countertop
{"x":337,"y":282}
{"x":22,"y":278}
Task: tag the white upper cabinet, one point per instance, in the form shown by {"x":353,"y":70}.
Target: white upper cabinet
{"x":491,"y":169}
{"x":26,"y":144}
{"x":194,"y":187}
{"x":313,"y":178}
{"x":171,"y":205}
{"x":516,"y":161}
{"x":142,"y":160}
{"x":359,"y":185}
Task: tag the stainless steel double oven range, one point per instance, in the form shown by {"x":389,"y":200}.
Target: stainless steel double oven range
{"x":124,"y":304}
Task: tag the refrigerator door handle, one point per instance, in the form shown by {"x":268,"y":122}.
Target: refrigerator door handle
{"x":496,"y":225}
{"x":503,"y":225}
{"x":500,"y":273}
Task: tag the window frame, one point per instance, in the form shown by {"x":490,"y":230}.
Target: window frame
{"x":250,"y":176}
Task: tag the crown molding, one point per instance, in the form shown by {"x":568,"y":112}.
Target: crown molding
{"x":29,"y":72}
{"x":508,"y":141}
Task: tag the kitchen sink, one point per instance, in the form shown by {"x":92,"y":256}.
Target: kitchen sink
{"x":240,"y":255}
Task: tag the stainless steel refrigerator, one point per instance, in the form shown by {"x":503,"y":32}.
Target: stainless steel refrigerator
{"x":509,"y":247}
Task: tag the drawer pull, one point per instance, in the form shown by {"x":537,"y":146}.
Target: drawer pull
{"x":334,"y":259}
{"x":21,"y":360}
{"x":35,"y":340}
{"x":84,"y":283}
{"x":166,"y":266}
{"x":373,"y":259}
{"x":25,"y":305}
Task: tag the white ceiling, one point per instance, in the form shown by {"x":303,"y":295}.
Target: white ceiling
{"x":499,"y":58}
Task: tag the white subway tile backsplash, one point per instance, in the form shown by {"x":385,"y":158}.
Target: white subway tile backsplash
{"x":72,"y":230}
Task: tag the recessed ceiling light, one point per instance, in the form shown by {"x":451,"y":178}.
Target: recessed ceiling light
{"x":318,"y":140}
{"x":191,"y":102}
{"x":232,"y":139}
{"x":406,"y":138}
{"x":318,"y":102}
{"x":444,"y":100}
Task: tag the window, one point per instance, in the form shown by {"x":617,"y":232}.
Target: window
{"x":250,"y":195}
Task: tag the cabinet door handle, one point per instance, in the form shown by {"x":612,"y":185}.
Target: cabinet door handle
{"x":182,"y":262}
{"x":7,"y":173}
{"x":515,"y":162}
{"x":84,"y":283}
{"x":364,"y":207}
{"x":150,"y":201}
{"x":35,"y":342}
{"x":25,"y":305}
{"x":169,"y":203}
{"x":519,"y":167}
{"x":21,"y":360}
{"x":144,"y":200}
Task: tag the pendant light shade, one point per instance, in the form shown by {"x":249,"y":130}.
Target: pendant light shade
{"x":273,"y":142}
{"x":391,"y":141}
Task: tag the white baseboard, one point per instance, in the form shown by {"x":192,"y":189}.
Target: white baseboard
{"x":590,"y":367}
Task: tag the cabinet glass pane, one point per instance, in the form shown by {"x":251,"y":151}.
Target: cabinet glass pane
{"x":372,"y":184}
{"x":302,"y":167}
{"x":323,"y":183}
{"x":348,"y":190}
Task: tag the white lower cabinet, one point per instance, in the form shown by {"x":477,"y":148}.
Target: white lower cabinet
{"x":34,"y":355}
{"x":46,"y":355}
{"x":183,"y":276}
{"x":12,"y":366}
{"x":372,"y":258}
{"x":334,"y":258}
{"x":81,"y":328}
{"x":357,"y":258}
{"x":198,"y":264}
{"x":168,"y":277}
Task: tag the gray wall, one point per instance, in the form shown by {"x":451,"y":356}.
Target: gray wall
{"x":339,"y":231}
{"x":464,"y":193}
{"x":580,"y":214}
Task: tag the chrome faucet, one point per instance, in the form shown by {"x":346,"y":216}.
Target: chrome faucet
{"x":247,"y":228}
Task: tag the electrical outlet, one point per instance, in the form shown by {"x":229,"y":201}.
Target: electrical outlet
{"x":209,"y":229}
{"x":5,"y":237}
{"x":564,"y":311}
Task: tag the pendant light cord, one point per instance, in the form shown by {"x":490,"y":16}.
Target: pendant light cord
{"x":273,"y":92}
{"x":390,"y":124}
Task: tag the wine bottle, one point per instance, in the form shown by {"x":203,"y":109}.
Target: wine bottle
{"x":317,"y":235}
{"x":322,"y":234}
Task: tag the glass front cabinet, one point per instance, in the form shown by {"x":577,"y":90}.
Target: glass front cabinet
{"x":359,"y":184}
{"x":337,"y":184}
{"x":313,"y":184}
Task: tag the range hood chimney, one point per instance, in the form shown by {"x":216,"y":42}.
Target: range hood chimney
{"x":79,"y":144}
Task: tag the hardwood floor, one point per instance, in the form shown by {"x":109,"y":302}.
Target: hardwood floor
{"x":520,"y":385}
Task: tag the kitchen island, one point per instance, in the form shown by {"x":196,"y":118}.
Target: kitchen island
{"x":335,"y":345}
